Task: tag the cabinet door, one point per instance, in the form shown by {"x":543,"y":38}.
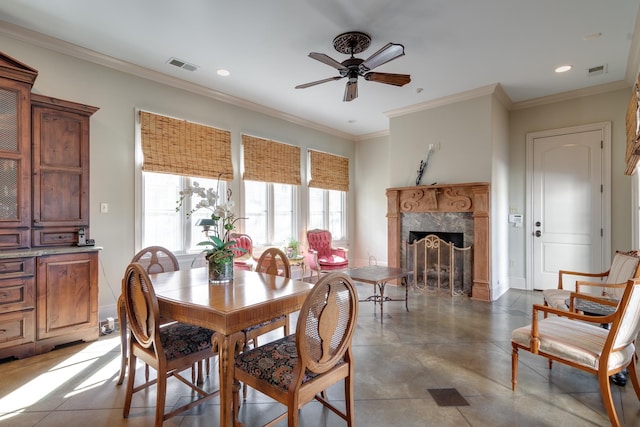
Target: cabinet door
{"x":67,"y":295}
{"x":15,"y":165}
{"x":60,"y":168}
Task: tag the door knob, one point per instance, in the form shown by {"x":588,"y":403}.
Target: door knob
{"x":538,"y":233}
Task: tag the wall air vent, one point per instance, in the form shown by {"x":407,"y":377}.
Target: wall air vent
{"x":182,"y":64}
{"x":597,"y":70}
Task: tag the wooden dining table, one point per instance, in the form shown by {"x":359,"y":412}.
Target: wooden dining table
{"x":252,"y":298}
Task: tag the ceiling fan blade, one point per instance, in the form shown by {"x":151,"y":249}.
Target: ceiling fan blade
{"x":306,"y":85}
{"x":351,"y":90}
{"x":389,"y":78}
{"x":326,"y":59}
{"x":387,"y":53}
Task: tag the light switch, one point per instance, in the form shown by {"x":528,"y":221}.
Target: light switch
{"x":104,"y":207}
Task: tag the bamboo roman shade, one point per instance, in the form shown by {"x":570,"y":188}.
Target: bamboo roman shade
{"x":632,"y":155}
{"x":270,"y":161}
{"x":328,"y":171}
{"x":183,"y":148}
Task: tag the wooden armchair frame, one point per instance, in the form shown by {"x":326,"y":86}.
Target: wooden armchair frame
{"x":566,"y":338}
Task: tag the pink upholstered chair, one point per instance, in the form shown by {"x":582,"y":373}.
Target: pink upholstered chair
{"x":322,"y":256}
{"x":243,"y":260}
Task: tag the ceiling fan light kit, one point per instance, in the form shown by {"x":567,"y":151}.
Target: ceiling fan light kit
{"x":352,"y":43}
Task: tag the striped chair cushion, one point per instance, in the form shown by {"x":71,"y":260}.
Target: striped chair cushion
{"x":573,"y":340}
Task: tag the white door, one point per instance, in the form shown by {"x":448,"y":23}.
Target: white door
{"x":566,"y":222}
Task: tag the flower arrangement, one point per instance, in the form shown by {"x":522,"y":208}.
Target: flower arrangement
{"x":222,"y":222}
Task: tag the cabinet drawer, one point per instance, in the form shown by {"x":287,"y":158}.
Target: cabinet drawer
{"x":14,"y":238}
{"x":59,"y":236}
{"x":16,"y":267}
{"x":17,"y":294}
{"x":16,"y":328}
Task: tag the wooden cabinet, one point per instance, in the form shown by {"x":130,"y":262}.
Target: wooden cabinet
{"x":48,"y":285}
{"x":67,"y":299}
{"x":60,"y":162}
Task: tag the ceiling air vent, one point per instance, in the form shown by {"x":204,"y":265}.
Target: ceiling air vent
{"x":182,"y":64}
{"x":597,"y":70}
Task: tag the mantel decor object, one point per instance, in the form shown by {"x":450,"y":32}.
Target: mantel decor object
{"x":423,"y":165}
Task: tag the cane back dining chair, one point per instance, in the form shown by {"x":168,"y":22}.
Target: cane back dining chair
{"x":321,"y":256}
{"x":624,"y":266}
{"x":579,"y":341}
{"x":272,"y":261}
{"x":154,"y":259}
{"x":169,"y":349}
{"x":299,"y":368}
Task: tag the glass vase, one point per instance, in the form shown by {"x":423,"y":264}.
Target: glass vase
{"x":221,"y":272}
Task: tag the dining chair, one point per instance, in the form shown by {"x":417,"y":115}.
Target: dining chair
{"x":321,"y":256}
{"x":624,"y":266}
{"x":169,"y":349}
{"x":298,"y":368}
{"x":154,"y":259}
{"x":272,"y":261}
{"x":578,"y":340}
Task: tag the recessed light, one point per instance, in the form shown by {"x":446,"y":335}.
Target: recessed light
{"x":563,"y":68}
{"x":222,"y":72}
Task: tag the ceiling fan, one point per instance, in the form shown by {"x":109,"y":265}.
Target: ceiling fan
{"x":354,"y":42}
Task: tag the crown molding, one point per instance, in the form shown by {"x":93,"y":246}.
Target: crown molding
{"x":451,"y":99}
{"x":573,"y":94}
{"x":65,"y":48}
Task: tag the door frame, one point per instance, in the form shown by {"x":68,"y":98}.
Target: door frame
{"x":605,"y":129}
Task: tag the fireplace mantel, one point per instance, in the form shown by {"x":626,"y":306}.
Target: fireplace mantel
{"x":469,"y":197}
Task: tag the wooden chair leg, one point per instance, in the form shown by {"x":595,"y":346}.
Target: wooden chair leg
{"x":124,"y":353}
{"x":605,"y":391}
{"x":514,"y":368}
{"x":633,"y":373}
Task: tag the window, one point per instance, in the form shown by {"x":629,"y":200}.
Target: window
{"x":161,"y":224}
{"x":270,"y":212}
{"x":327,"y":211}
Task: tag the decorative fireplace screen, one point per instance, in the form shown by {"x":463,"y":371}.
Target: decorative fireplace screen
{"x":439,"y":266}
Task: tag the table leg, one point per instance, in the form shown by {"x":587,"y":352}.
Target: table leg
{"x":381,"y":286}
{"x":406,"y":292}
{"x":227,"y":346}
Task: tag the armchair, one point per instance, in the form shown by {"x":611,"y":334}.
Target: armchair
{"x":321,"y":256}
{"x":624,"y":266}
{"x":583,"y":344}
{"x":243,"y":260}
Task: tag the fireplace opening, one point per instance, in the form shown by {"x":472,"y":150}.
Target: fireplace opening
{"x":456,"y":238}
{"x":439,"y":262}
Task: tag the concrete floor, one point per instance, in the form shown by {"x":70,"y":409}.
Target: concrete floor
{"x":441,"y":343}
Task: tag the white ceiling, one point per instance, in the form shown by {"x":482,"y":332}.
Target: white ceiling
{"x":451,"y":46}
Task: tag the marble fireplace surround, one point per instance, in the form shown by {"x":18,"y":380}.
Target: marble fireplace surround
{"x":467,"y":197}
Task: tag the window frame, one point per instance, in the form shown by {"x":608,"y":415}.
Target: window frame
{"x":270,"y":211}
{"x":326,"y":213}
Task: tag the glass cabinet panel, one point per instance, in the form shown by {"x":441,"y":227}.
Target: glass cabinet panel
{"x":9,"y":151}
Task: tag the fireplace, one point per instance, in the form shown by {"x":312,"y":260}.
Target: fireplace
{"x":454,"y":208}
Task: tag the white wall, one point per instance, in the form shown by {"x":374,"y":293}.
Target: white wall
{"x":117,"y":94}
{"x":372,"y":178}
{"x":610,"y":106}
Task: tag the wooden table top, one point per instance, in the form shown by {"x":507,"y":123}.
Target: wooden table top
{"x":376,"y":274}
{"x":187,"y":296}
